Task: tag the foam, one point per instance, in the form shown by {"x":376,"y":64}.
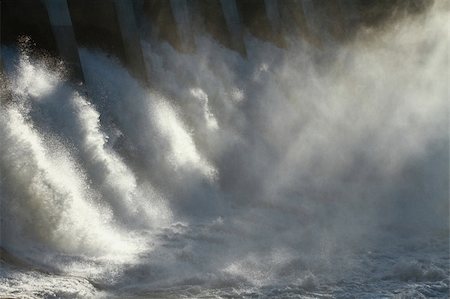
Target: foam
{"x":285,"y":168}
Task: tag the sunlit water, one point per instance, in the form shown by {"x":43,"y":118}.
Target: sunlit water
{"x":293,"y":173}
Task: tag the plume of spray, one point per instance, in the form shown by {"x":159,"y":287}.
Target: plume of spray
{"x":320,"y":152}
{"x":63,"y":189}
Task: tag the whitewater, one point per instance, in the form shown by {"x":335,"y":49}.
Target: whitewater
{"x":292,"y":172}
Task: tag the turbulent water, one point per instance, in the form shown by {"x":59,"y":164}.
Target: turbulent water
{"x":291,"y":173}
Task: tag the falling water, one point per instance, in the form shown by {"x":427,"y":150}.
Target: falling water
{"x":290,"y":172}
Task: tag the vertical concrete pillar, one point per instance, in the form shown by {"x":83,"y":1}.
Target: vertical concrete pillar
{"x":324,"y":19}
{"x":138,"y":6}
{"x":312,"y":19}
{"x":234,"y":24}
{"x":256,"y":20}
{"x":2,"y":80}
{"x":1,"y":59}
{"x":351,"y":16}
{"x":273,"y":14}
{"x":131,"y":41}
{"x":208,"y":17}
{"x":294,"y":21}
{"x":61,"y":24}
{"x":182,"y":16}
{"x":162,"y":24}
{"x":334,"y":19}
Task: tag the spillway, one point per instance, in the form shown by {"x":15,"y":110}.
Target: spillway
{"x":224,"y":149}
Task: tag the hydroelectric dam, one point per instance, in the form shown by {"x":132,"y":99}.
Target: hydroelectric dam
{"x":224,"y":149}
{"x":117,"y":27}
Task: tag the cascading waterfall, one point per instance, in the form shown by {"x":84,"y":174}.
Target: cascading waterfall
{"x":290,"y":172}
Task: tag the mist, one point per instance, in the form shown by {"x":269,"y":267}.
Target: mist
{"x":232,"y":175}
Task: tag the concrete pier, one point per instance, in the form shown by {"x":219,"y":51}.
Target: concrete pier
{"x":325,"y":19}
{"x":131,"y":39}
{"x":315,"y":28}
{"x":209,"y":17}
{"x":256,"y":20}
{"x":1,"y":59}
{"x":273,"y":15}
{"x":109,"y":25}
{"x":158,"y":13}
{"x":3,"y":86}
{"x":351,"y":16}
{"x":182,"y":17}
{"x":333,"y":18}
{"x":295,"y":22}
{"x":61,"y":24}
{"x":234,"y":24}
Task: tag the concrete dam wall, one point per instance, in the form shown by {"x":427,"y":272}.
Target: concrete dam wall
{"x":60,"y":27}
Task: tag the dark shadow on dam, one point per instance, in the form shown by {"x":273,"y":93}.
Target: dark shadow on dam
{"x":60,"y":27}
